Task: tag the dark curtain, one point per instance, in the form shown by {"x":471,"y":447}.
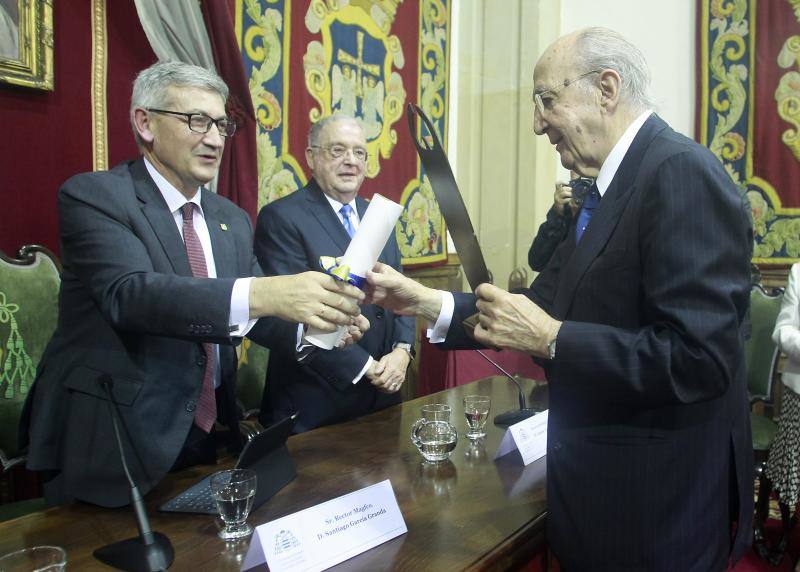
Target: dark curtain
{"x":238,"y":174}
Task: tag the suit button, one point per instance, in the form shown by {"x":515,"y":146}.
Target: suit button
{"x":379,"y":315}
{"x":201,"y":361}
{"x":190,"y":406}
{"x":557,"y":446}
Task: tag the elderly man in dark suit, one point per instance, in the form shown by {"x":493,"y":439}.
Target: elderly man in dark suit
{"x":638,"y":318}
{"x":158,"y":284}
{"x":291,"y":235}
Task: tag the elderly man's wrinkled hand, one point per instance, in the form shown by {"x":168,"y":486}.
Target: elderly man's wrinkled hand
{"x":393,"y":374}
{"x":389,"y":288}
{"x":512,"y":321}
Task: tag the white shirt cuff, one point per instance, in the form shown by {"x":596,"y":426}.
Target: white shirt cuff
{"x":438,"y":333}
{"x":363,"y":370}
{"x":301,"y":344}
{"x":239,"y":320}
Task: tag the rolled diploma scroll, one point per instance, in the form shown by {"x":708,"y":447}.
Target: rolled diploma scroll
{"x":365,"y":247}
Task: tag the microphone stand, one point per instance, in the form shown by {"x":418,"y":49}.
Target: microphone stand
{"x":150,"y":551}
{"x":511,"y":417}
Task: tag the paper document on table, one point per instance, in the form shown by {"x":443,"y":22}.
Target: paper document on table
{"x":529,"y":436}
{"x":329,"y":533}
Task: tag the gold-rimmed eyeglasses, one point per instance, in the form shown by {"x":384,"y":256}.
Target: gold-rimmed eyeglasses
{"x":544,"y":99}
{"x":201,"y":123}
{"x":338,"y":151}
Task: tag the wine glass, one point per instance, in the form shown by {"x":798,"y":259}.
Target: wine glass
{"x":234,"y":491}
{"x":476,"y":410}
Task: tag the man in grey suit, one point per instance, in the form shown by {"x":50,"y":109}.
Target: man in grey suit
{"x":291,"y":235}
{"x":158,"y":284}
{"x":638,"y":320}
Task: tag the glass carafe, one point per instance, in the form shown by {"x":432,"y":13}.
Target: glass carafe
{"x":433,"y":434}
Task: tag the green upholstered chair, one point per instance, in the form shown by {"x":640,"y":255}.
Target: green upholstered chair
{"x":28,"y":314}
{"x":250,"y":380}
{"x":761,"y":355}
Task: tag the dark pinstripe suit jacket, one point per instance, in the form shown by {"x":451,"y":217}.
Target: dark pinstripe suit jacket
{"x":649,"y":451}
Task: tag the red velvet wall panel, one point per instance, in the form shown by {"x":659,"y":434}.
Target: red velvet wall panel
{"x":47,"y":136}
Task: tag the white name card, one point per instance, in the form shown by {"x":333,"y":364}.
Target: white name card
{"x":329,"y":533}
{"x":529,"y":436}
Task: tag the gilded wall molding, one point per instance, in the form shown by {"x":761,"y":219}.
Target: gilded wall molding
{"x":98,"y":87}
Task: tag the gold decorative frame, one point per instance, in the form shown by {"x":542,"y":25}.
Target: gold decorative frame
{"x":34,"y":65}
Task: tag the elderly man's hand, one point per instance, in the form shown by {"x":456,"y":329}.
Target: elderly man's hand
{"x":311,"y":298}
{"x":355,"y":332}
{"x":512,"y":321}
{"x":390,"y":289}
{"x":390,"y":371}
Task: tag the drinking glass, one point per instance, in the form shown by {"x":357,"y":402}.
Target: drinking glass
{"x":234,"y":490}
{"x":35,"y":559}
{"x":433,"y":434}
{"x":476,"y":410}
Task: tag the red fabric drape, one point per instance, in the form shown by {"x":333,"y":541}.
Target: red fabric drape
{"x":440,"y":370}
{"x":238,"y":174}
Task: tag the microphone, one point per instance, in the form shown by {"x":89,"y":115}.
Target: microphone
{"x":150,"y":551}
{"x":511,"y":417}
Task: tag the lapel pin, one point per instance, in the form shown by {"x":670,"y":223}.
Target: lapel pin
{"x":223,"y":226}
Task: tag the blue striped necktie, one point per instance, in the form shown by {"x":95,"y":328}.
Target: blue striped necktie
{"x":587,"y":210}
{"x":346,"y":211}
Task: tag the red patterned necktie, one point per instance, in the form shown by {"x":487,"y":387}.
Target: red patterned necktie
{"x":206,"y":412}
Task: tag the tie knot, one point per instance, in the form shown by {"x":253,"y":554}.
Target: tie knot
{"x":346,"y":211}
{"x":592,"y":198}
{"x":187,"y":211}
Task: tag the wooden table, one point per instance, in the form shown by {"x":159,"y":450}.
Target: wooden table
{"x":468,"y":513}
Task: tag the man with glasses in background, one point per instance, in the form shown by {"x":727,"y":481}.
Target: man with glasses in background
{"x":638,"y":320}
{"x":158,"y":284}
{"x":291,"y":235}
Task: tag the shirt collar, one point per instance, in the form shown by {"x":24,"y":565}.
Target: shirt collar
{"x":336,"y":205}
{"x":614,"y":159}
{"x":175,"y":200}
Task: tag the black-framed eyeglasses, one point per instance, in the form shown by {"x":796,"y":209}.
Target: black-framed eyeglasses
{"x":201,"y":123}
{"x":544,"y":99}
{"x":338,"y":151}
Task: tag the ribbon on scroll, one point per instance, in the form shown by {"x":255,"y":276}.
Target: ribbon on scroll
{"x":444,"y":186}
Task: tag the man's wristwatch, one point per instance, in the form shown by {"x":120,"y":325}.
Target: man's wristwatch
{"x":406,"y":347}
{"x":551,"y":348}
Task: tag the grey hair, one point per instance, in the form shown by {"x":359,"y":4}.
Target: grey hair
{"x":316,"y":128}
{"x":151,"y":85}
{"x":602,"y":48}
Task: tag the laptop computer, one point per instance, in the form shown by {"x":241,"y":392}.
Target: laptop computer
{"x":266,"y":454}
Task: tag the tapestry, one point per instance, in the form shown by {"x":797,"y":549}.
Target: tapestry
{"x":307,"y":59}
{"x":749,"y":111}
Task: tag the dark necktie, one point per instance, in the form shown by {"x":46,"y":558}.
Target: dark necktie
{"x":587,"y":210}
{"x":206,"y":412}
{"x":346,"y":211}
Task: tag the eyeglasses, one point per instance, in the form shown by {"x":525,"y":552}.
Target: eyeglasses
{"x":338,"y":151}
{"x":544,"y":99}
{"x":201,"y":123}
